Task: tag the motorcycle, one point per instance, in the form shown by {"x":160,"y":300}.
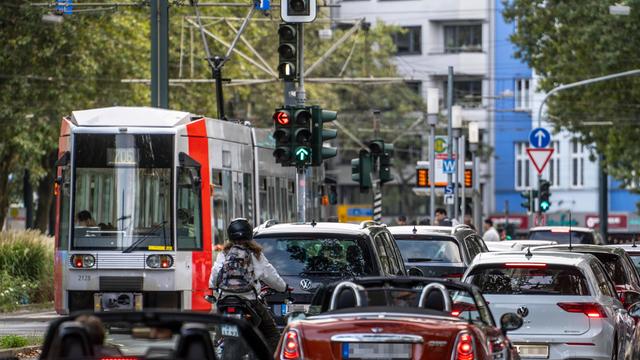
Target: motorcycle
{"x":227,"y":343}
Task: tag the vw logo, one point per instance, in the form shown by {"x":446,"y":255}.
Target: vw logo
{"x":523,"y":311}
{"x":305,"y":284}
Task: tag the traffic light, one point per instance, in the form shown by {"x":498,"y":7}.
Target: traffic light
{"x":320,"y":135}
{"x":301,"y":136}
{"x":282,"y":136}
{"x":288,"y":51}
{"x":422,"y":177}
{"x":526,"y":200}
{"x":545,"y":194}
{"x":297,"y":11}
{"x":383,"y":152}
{"x":361,"y":170}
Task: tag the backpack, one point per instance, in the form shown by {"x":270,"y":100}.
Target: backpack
{"x":237,"y":274}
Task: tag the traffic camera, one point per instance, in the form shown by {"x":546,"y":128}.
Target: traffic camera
{"x":319,"y":135}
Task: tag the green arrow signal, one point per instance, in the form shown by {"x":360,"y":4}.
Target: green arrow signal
{"x":302,"y":153}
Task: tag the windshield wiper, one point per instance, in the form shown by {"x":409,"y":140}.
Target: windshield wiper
{"x":145,"y":237}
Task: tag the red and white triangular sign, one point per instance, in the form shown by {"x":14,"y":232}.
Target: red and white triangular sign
{"x":539,"y":158}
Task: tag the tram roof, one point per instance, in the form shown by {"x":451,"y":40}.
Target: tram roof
{"x":130,"y":116}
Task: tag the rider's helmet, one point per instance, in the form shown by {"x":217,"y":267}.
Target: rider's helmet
{"x":239,"y":229}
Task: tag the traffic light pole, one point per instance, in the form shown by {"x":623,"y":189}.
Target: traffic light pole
{"x":449,"y":132}
{"x":301,"y":193}
{"x":301,"y":173}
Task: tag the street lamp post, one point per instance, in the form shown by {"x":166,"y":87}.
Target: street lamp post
{"x":456,"y":126}
{"x":433,"y":99}
{"x":474,"y":139}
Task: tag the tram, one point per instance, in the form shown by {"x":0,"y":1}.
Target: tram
{"x":143,"y":196}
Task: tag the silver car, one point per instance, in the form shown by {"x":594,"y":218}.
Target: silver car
{"x":569,"y":305}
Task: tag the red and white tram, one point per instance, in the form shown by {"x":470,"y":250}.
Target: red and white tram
{"x":143,"y":196}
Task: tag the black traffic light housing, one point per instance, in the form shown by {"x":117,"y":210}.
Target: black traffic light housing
{"x":282,"y":135}
{"x":288,"y":51}
{"x":319,"y":135}
{"x":361,"y":170}
{"x":384,"y":152}
{"x":544,"y":204}
{"x":301,"y":135}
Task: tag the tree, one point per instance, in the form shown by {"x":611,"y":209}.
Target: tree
{"x":571,"y":40}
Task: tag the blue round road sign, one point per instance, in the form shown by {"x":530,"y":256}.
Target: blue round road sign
{"x":539,"y":138}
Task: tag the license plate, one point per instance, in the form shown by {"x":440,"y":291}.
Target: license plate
{"x":229,"y":330}
{"x":533,"y":351}
{"x":356,"y":351}
{"x":284,"y":309}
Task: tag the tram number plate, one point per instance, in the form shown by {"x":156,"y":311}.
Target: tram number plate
{"x":84,"y":277}
{"x":229,"y":330}
{"x":122,"y":156}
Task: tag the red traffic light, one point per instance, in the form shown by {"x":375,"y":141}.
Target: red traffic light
{"x":281,"y":118}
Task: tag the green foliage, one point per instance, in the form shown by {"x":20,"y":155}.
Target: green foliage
{"x":26,"y":260}
{"x":12,"y":341}
{"x":571,"y":40}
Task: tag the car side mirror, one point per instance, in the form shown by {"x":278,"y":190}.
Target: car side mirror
{"x":510,"y":322}
{"x":628,"y":298}
{"x":414,"y":271}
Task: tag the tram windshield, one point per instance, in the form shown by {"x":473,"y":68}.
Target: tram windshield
{"x":123,"y":192}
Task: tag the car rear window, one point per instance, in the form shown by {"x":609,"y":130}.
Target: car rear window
{"x":527,"y":279}
{"x":636,"y":260}
{"x":317,"y":256}
{"x":428,"y":250}
{"x":562,"y":237}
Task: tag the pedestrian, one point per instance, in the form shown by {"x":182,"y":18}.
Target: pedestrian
{"x":502,"y":232}
{"x":401,"y":220}
{"x":490,"y":233}
{"x":441,"y":218}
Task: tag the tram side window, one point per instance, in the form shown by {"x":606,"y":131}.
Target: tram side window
{"x":247,"y":183}
{"x":63,"y":186}
{"x":189,"y":209}
{"x":222,"y":203}
{"x":264,"y":206}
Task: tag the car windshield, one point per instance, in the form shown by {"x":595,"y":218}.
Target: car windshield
{"x":526,"y":279}
{"x":317,"y":256}
{"x":562,"y":237}
{"x":428,"y":250}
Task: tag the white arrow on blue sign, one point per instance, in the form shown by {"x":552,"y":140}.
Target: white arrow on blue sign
{"x":539,"y":138}
{"x":449,"y":166}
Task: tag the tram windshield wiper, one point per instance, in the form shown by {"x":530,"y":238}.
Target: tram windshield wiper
{"x":146,"y":236}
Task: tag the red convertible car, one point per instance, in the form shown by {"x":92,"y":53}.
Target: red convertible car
{"x":398,"y":318}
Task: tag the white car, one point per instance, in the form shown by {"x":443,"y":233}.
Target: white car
{"x":516,"y":245}
{"x":566,"y":234}
{"x":569,"y":304}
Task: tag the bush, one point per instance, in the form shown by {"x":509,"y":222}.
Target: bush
{"x":12,"y":341}
{"x":26,"y":263}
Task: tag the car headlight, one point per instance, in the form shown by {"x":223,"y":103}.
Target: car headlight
{"x":159,"y":261}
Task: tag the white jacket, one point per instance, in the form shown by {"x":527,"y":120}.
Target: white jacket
{"x":262,"y":269}
{"x":491,"y":235}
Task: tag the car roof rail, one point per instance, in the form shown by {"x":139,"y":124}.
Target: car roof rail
{"x":355,"y":288}
{"x":460,"y":226}
{"x":365,"y":224}
{"x":269,"y":223}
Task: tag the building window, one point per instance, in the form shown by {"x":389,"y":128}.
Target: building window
{"x":577,"y":164}
{"x":522,"y":166}
{"x":415,"y":86}
{"x":466,"y":93}
{"x":408,"y":42}
{"x":523,"y":94}
{"x":554,"y":165}
{"x":462,"y":38}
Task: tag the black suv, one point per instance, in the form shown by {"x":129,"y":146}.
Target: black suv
{"x":438,"y":251}
{"x":310,"y":255}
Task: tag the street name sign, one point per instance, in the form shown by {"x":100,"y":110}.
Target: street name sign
{"x":539,"y":138}
{"x":540,"y":158}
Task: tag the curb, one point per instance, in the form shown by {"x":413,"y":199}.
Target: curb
{"x":11,"y":353}
{"x":33,"y":319}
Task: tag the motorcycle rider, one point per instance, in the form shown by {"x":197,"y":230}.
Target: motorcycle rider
{"x":239,"y":269}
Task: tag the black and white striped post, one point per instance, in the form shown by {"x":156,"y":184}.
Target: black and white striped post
{"x":377,"y":201}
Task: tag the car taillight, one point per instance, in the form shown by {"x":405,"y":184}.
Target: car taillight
{"x":83,"y":261}
{"x":496,"y":345}
{"x":464,"y":347}
{"x":291,"y":348}
{"x":592,"y":310}
{"x":459,"y":308}
{"x":524,"y":265}
{"x":456,"y":276}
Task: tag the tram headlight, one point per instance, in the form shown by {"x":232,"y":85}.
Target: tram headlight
{"x":159,"y":261}
{"x":83,"y":261}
